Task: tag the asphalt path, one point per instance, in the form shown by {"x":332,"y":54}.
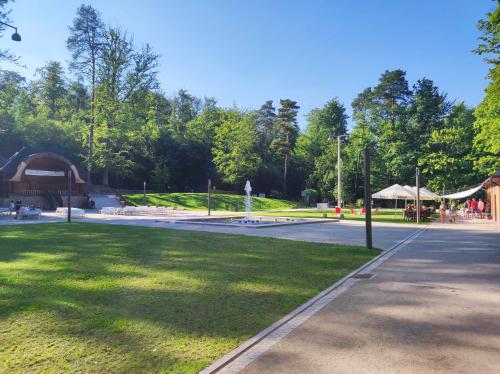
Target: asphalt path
{"x":433,"y":307}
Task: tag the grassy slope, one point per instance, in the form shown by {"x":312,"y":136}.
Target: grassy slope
{"x":386,"y":215}
{"x":105,"y":298}
{"x":218,"y":201}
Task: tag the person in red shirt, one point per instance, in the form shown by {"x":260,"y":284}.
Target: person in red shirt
{"x":473,"y":205}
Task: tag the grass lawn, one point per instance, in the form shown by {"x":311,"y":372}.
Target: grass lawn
{"x":218,"y":201}
{"x":93,"y":298}
{"x":383,"y":215}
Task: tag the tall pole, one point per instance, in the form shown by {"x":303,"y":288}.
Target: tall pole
{"x":418,"y":193}
{"x":144,"y":193}
{"x":368,"y":201}
{"x":69,"y":195}
{"x":208,"y":194}
{"x":339,"y":179}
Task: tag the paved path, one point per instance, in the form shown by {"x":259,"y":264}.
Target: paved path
{"x":385,"y":235}
{"x":433,"y":307}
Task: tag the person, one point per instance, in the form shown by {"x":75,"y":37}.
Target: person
{"x":467,"y":205}
{"x":18,"y":207}
{"x":442,"y":212}
{"x":422,"y":212}
{"x":453,"y":213}
{"x":409,"y":214}
{"x":473,"y":206}
{"x":480,"y":208}
{"x":12,"y":207}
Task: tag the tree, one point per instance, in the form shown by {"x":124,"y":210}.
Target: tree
{"x":266,"y":126}
{"x":490,"y":38}
{"x":324,"y":125}
{"x":487,"y":125}
{"x":52,"y":88}
{"x":235,"y":147}
{"x":315,"y":145}
{"x":125,"y":76}
{"x":13,"y":92}
{"x":289,"y":130}
{"x":5,"y":54}
{"x":447,"y":154}
{"x":85,"y":43}
{"x":185,"y":108}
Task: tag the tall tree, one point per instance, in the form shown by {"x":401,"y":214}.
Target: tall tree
{"x":125,"y":76}
{"x":85,"y":43}
{"x":51,"y":88}
{"x":235,"y":147}
{"x":185,"y":108}
{"x":266,"y":126}
{"x":487,"y":125}
{"x":447,"y":157}
{"x":323,"y":125}
{"x":289,"y":130}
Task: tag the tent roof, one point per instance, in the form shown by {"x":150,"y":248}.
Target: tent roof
{"x":425,"y":194}
{"x":463,"y":194}
{"x":393,"y":192}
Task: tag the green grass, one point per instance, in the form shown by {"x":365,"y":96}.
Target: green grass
{"x":383,"y":215}
{"x":218,"y":201}
{"x":93,"y":298}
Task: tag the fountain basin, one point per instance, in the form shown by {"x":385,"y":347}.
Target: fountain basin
{"x":253,"y":222}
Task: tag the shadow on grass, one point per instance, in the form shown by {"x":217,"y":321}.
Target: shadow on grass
{"x":132,"y":289}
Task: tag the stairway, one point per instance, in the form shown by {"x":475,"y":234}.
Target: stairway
{"x":102,"y":200}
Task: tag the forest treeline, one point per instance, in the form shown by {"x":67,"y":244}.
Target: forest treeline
{"x":107,"y":112}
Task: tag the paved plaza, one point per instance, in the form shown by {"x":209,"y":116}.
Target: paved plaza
{"x":433,"y":307}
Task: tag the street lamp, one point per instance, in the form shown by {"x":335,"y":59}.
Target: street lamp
{"x":15,"y":37}
{"x":339,"y":179}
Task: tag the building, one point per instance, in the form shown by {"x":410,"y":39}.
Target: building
{"x":40,"y":179}
{"x":492,"y":187}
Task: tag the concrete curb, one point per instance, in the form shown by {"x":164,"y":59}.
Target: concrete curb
{"x":306,"y":221}
{"x":224,"y":361}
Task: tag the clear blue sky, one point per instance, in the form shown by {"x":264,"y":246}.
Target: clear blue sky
{"x":245,"y":52}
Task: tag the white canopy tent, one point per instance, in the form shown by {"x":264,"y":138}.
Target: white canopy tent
{"x":463,"y":194}
{"x":395,"y":192}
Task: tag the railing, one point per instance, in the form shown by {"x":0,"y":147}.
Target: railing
{"x":36,"y":192}
{"x":25,"y":189}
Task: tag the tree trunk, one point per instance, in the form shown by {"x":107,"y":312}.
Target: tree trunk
{"x":91,"y":133}
{"x":356,"y":175}
{"x":89,"y":165}
{"x":105,"y":176}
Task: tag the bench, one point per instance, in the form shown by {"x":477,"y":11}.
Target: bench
{"x":140,"y":211}
{"x":75,"y":212}
{"x":27,"y":213}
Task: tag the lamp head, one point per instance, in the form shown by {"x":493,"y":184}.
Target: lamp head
{"x":16,"y":37}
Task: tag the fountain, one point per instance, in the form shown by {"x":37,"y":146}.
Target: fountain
{"x":248,"y":200}
{"x":248,"y":220}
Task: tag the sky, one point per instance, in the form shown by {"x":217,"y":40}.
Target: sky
{"x":246,"y":52}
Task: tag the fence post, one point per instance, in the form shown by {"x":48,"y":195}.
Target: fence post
{"x":69,"y":195}
{"x":368,"y":201}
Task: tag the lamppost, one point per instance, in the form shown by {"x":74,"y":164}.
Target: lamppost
{"x":339,"y":179}
{"x":15,"y":37}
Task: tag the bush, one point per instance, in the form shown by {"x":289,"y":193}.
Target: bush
{"x":275,"y":194}
{"x":313,"y":195}
{"x":360,"y":203}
